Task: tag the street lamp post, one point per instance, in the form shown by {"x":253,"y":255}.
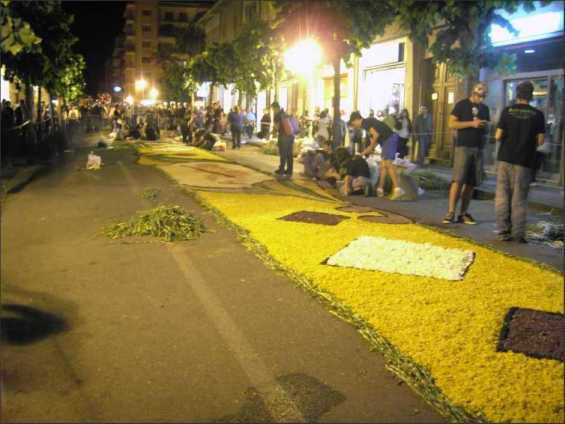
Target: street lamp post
{"x":302,"y":59}
{"x":140,"y":85}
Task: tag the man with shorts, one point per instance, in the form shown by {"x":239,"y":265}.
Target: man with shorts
{"x":470,"y":118}
{"x":379,"y":132}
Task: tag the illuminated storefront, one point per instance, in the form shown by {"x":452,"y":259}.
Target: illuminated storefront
{"x":382,"y":77}
{"x":539,"y":48}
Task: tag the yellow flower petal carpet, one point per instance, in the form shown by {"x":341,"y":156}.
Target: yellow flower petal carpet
{"x":440,"y":336}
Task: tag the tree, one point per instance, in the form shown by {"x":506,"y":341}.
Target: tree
{"x":461,"y":30}
{"x":47,"y":63}
{"x":16,"y":34}
{"x":174,"y":58}
{"x":174,"y":82}
{"x":69,"y":85}
{"x":342,"y":27}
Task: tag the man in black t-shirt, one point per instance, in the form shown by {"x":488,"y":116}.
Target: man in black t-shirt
{"x":470,"y":118}
{"x":520,"y":131}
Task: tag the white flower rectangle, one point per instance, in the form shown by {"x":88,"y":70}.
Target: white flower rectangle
{"x":404,"y":257}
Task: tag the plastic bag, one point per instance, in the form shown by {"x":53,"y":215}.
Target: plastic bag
{"x":93,"y":162}
{"x":404,"y":163}
{"x":373,"y":169}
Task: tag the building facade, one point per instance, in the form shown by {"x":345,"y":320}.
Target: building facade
{"x":394,"y":73}
{"x":149,"y":28}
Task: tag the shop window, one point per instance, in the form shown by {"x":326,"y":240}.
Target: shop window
{"x":382,"y":89}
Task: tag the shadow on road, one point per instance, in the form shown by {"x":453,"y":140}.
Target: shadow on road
{"x":21,"y":325}
{"x":288,"y":394}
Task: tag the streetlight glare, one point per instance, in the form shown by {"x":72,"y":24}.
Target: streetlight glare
{"x":153,"y":93}
{"x":129,"y":99}
{"x":303,"y":57}
{"x":140,"y":84}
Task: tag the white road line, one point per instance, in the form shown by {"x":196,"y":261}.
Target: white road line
{"x":280,"y":405}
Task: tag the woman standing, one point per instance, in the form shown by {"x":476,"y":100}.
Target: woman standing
{"x":404,"y":133}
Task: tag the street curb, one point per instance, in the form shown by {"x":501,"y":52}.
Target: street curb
{"x":22,"y":178}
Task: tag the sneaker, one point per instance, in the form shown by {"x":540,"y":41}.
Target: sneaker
{"x":380,"y":192}
{"x":449,"y":218}
{"x":466,"y":219}
{"x":397,"y":193}
{"x":278,"y":172}
{"x":504,"y":237}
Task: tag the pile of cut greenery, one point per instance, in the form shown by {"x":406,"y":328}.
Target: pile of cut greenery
{"x":430,"y":181}
{"x":169,"y":223}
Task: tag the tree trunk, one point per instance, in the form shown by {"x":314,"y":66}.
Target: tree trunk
{"x":28,"y":113}
{"x":336,"y":100}
{"x":39,"y":117}
{"x":211,"y":94}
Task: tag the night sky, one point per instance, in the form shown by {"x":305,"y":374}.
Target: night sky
{"x":97,"y":24}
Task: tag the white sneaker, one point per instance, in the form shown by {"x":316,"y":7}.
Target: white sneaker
{"x":397,"y":192}
{"x":380,"y":192}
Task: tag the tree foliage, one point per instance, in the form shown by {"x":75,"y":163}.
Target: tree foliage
{"x":342,"y":27}
{"x":173,"y":82}
{"x":461,"y":31}
{"x":16,"y":34}
{"x":70,"y":82}
{"x":247,"y":61}
{"x":52,"y":63}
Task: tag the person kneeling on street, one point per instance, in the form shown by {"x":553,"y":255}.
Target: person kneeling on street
{"x":204,"y":139}
{"x":354,"y":170}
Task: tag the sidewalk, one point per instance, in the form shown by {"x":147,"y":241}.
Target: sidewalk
{"x":14,"y":179}
{"x":541,"y":196}
{"x":430,"y":208}
{"x":545,"y":197}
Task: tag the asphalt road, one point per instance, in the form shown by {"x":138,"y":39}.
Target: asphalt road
{"x":135,"y":330}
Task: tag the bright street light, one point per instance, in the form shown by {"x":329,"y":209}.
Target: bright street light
{"x":129,"y":100}
{"x":140,"y":84}
{"x":117,"y":89}
{"x":303,"y":57}
{"x":153,"y":93}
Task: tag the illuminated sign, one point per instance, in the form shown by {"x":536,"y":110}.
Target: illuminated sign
{"x":544,"y":22}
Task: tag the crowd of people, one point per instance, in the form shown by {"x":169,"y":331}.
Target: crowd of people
{"x":344,"y":158}
{"x":359,"y":156}
{"x":356,"y":147}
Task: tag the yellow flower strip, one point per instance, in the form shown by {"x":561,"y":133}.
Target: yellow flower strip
{"x":178,"y":151}
{"x":449,"y":328}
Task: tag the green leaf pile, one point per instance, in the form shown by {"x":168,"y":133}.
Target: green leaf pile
{"x":430,"y":181}
{"x":169,"y":223}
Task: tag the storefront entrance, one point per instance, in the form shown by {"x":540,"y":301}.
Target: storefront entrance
{"x":548,"y":97}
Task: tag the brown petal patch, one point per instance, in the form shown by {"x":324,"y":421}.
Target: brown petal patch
{"x":534,"y":333}
{"x":314,"y":218}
